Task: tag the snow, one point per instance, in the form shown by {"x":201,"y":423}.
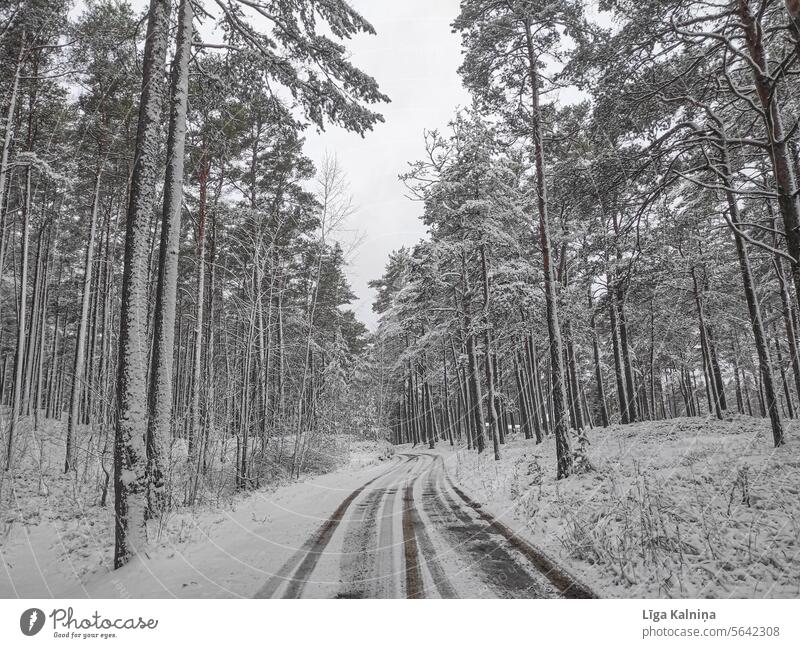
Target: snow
{"x":56,"y":541}
{"x":128,"y":477}
{"x":681,"y":508}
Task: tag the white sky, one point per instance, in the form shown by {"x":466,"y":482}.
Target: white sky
{"x":414,"y":58}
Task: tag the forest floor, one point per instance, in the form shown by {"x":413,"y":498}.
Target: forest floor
{"x":681,"y":508}
{"x":57,"y":541}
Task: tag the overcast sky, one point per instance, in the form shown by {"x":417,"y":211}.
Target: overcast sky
{"x":414,"y":57}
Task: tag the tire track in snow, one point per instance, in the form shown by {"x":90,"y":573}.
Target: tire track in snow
{"x":414,"y":586}
{"x":568,"y":585}
{"x":385,"y":566}
{"x":478,"y":544}
{"x":389,"y":565}
{"x":360,"y":547}
{"x":302,"y":563}
{"x":440,"y":580}
{"x":560,"y":582}
{"x":418,"y":548}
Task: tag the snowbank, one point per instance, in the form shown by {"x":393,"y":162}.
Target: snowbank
{"x":681,"y":508}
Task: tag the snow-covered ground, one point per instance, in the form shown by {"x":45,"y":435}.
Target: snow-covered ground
{"x":55,"y":539}
{"x":681,"y":508}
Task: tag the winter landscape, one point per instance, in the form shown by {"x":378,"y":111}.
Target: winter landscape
{"x":366,"y":299}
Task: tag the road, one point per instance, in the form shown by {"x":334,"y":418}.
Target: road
{"x":412,"y":533}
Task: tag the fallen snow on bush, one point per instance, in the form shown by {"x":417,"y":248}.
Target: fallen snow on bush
{"x":680,"y":508}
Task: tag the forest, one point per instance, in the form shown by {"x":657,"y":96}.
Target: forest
{"x":627,"y":256}
{"x":613,"y":239}
{"x":171,"y":288}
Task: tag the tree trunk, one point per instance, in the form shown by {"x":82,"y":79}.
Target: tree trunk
{"x":753,"y":306}
{"x":159,"y":426}
{"x":714,"y":399}
{"x":195,"y":431}
{"x":575,"y":387}
{"x":630,"y":381}
{"x":785,"y":181}
{"x":598,"y":373}
{"x":447,"y":423}
{"x":78,"y":366}
{"x":8,"y":140}
{"x":16,"y":402}
{"x":129,"y":449}
{"x":560,"y":423}
{"x":491,"y":407}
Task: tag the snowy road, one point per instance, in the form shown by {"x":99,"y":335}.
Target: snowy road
{"x":411,"y":533}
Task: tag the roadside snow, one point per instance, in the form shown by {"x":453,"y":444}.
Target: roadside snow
{"x":57,"y":541}
{"x":680,"y":508}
